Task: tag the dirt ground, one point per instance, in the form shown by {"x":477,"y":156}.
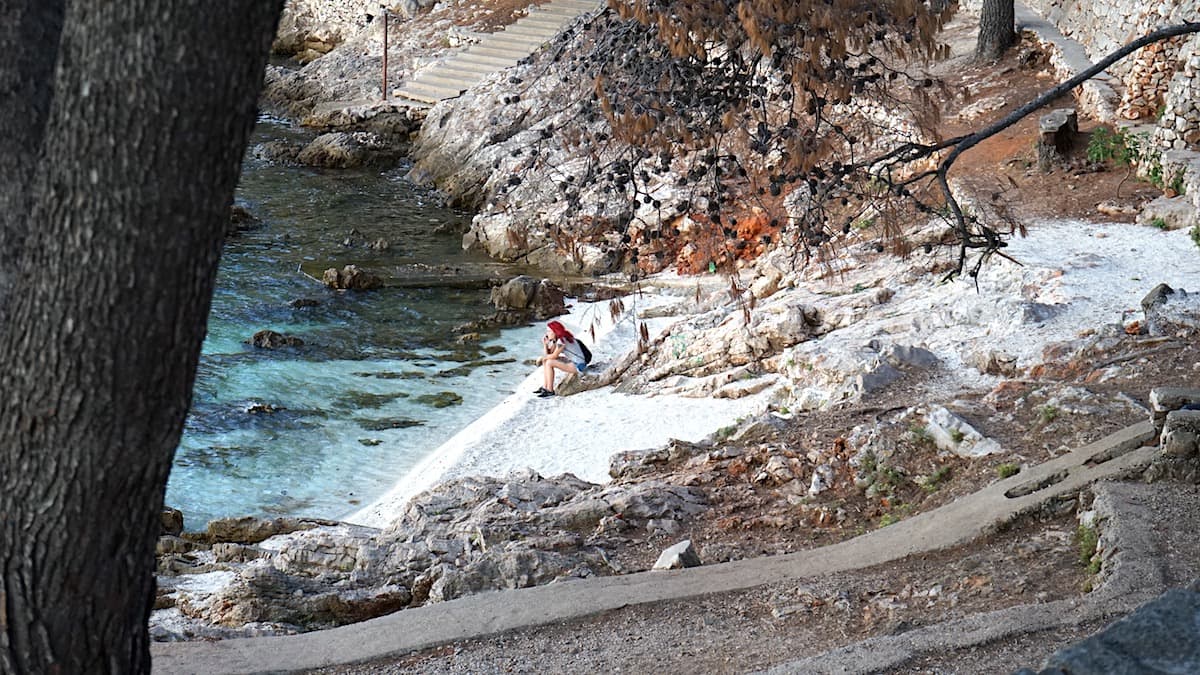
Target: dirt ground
{"x":1037,"y":560}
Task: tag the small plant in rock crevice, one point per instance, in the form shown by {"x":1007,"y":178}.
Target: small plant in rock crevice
{"x":920,"y":435}
{"x":1088,"y":539}
{"x":935,"y":480}
{"x":1007,"y":470}
{"x":1048,"y":413}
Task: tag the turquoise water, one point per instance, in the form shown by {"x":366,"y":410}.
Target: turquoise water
{"x":381,"y":381}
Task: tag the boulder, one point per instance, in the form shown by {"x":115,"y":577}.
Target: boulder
{"x":1163,"y":400}
{"x":262,"y":593}
{"x":1158,"y":637}
{"x":515,"y":294}
{"x":351,"y":278}
{"x":1169,"y":213}
{"x":538,"y":299}
{"x":954,"y":434}
{"x":269,"y":339}
{"x":241,"y":220}
{"x":347,"y":150}
{"x":278,"y":151}
{"x":1172,"y":312}
{"x":678,"y":556}
{"x":171,"y":521}
{"x":1181,"y":434}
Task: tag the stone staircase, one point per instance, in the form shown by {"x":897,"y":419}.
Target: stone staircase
{"x":453,"y":75}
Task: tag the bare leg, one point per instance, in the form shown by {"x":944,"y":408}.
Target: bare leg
{"x":549,"y":368}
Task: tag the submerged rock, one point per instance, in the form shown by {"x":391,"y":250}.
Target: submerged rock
{"x":351,"y":278}
{"x":442,"y":399}
{"x":269,"y":339}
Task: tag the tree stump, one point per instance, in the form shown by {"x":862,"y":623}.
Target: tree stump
{"x":1057,"y":131}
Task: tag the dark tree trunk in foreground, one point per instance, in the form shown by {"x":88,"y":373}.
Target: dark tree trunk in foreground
{"x":996,"y":34}
{"x":133,"y":119}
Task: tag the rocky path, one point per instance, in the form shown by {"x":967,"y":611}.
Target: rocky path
{"x":478,"y":616}
{"x":451,"y":76}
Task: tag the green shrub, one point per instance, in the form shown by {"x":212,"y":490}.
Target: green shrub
{"x":1106,"y":145}
{"x":1007,"y":469}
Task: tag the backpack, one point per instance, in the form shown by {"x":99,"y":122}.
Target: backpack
{"x":587,"y":353}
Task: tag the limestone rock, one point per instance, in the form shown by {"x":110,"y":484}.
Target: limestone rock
{"x":994,"y":362}
{"x":263,"y":593}
{"x":954,"y":434}
{"x":251,"y":530}
{"x":1181,"y":433}
{"x":540,"y":299}
{"x":1172,"y":312}
{"x":908,"y":357}
{"x":678,"y":556}
{"x":1170,"y":213}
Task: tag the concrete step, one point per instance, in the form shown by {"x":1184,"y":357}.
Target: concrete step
{"x":463,"y":69}
{"x":430,"y":89}
{"x":543,"y":21}
{"x":496,"y":52}
{"x":428,"y":93}
{"x":450,"y":82}
{"x":522,"y":42}
{"x":463,"y":65}
{"x":532,"y":32}
{"x":495,"y":61}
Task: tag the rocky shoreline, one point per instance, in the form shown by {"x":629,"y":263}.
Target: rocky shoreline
{"x":942,"y":379}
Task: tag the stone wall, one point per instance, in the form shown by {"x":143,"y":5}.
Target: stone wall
{"x":1160,"y":82}
{"x":1158,"y":85}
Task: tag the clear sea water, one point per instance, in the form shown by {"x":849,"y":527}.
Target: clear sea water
{"x":381,"y":381}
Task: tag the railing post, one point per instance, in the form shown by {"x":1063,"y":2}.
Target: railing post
{"x":385,"y":53}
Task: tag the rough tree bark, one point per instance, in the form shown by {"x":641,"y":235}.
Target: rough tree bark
{"x":996,"y":21}
{"x":134,"y":118}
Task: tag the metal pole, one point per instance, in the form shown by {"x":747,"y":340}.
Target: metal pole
{"x":385,"y":51}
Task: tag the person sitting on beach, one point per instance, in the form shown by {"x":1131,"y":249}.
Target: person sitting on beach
{"x":562,"y":352}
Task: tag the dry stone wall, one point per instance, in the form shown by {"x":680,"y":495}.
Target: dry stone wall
{"x":1159,"y":84}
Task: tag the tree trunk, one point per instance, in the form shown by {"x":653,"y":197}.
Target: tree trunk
{"x":996,"y":34}
{"x":30,"y":32}
{"x":152,"y":105}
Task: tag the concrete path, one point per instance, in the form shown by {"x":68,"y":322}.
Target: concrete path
{"x":1134,"y":575}
{"x":961,"y":521}
{"x":455,"y":74}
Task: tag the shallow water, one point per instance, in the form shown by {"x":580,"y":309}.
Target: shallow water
{"x":381,"y":381}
